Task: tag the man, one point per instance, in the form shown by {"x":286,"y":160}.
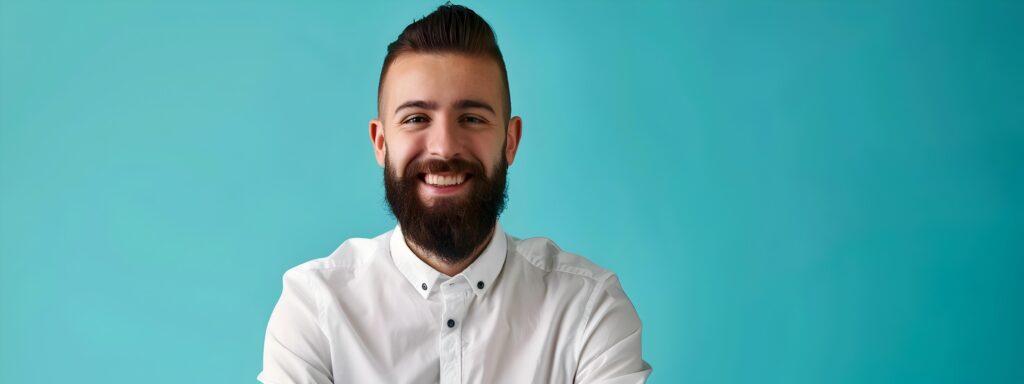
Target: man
{"x":447,"y":296}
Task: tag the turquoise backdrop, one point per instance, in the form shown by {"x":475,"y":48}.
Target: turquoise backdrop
{"x":790,"y":191}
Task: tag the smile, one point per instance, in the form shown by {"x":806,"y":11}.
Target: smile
{"x":445,"y":180}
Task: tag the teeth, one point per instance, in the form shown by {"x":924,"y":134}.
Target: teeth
{"x":442,"y":180}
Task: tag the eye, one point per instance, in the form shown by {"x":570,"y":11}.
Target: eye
{"x":415,"y":119}
{"x":474,"y":119}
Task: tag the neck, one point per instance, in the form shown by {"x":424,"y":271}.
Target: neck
{"x":439,"y":264}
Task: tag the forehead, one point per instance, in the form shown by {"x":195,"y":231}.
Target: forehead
{"x":440,"y":78}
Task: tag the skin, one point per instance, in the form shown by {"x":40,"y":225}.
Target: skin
{"x":446,"y":130}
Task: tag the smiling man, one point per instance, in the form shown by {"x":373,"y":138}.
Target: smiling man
{"x":447,"y":296}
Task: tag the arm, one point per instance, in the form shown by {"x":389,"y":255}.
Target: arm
{"x":296,"y":350}
{"x":611,"y":339}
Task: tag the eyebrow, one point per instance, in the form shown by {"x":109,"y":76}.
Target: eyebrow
{"x":459,"y":104}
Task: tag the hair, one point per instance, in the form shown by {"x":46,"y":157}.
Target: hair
{"x":449,"y":29}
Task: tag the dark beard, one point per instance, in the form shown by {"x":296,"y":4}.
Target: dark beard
{"x":454,"y":226}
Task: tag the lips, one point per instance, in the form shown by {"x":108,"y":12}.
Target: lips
{"x":445,"y":176}
{"x":446,"y":179}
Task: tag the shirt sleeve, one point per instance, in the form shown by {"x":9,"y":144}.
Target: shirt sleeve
{"x":611,"y":339}
{"x":295,"y":349}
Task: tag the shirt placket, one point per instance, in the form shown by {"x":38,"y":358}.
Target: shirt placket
{"x":455,"y":295}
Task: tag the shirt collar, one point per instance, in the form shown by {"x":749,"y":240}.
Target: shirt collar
{"x":480,"y":274}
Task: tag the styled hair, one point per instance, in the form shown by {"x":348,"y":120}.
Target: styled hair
{"x":449,"y":29}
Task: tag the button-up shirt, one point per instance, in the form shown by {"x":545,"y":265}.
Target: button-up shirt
{"x":524,"y":311}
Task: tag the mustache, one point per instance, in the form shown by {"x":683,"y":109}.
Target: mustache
{"x":455,"y":164}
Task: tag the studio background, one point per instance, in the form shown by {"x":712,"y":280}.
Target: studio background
{"x":789,"y":191}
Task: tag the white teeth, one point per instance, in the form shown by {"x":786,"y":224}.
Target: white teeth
{"x":442,"y":180}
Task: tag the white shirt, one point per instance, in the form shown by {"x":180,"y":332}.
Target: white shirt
{"x":523,"y":312}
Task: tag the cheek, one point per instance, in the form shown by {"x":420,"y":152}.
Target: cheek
{"x":399,"y":154}
{"x":490,"y":157}
{"x":396,"y":165}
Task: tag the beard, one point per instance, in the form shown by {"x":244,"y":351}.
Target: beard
{"x":452,"y":227}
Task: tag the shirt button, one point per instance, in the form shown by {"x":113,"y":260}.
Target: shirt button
{"x":424,"y":286}
{"x":480,"y":284}
{"x":451,"y":323}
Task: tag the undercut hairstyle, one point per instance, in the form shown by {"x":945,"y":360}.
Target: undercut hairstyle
{"x":449,"y":29}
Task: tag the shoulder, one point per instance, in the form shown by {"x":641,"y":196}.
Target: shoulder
{"x":350,"y":257}
{"x":599,"y":288}
{"x":544,"y":255}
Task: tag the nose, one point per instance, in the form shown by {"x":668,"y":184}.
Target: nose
{"x":443,"y":139}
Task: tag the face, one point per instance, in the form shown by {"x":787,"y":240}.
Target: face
{"x":444,"y":144}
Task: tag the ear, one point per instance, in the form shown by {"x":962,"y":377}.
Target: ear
{"x":377,"y":138}
{"x":512,"y":136}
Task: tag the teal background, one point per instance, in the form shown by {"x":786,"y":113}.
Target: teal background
{"x":790,"y":191}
